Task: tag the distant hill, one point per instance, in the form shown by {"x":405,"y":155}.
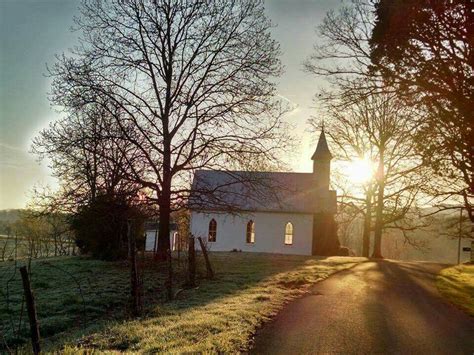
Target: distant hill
{"x":11,"y":215}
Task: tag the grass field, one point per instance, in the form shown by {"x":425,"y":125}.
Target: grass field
{"x":71,"y":293}
{"x":218,"y":315}
{"x":456,"y":283}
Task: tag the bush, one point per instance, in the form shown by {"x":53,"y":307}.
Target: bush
{"x":101,"y":227}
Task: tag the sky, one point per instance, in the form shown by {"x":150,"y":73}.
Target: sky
{"x":33,"y":31}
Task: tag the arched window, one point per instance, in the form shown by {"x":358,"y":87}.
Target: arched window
{"x":289,"y":234}
{"x":251,"y":232}
{"x":212,"y":230}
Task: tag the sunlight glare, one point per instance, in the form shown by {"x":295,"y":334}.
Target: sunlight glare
{"x":361,"y":170}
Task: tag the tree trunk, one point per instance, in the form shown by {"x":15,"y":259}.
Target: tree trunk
{"x":164,"y":229}
{"x":165,"y":206}
{"x":379,"y":210}
{"x":367,"y":226}
{"x":165,"y":217}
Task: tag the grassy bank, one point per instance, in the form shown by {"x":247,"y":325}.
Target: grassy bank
{"x":218,"y":315}
{"x":457,"y":285}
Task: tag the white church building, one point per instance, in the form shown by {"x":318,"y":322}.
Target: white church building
{"x":272,"y":212}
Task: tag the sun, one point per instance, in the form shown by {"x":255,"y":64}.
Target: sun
{"x":360,"y":171}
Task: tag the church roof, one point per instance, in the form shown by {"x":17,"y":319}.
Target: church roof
{"x":322,"y":150}
{"x":258,"y":191}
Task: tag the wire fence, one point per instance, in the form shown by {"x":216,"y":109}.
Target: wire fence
{"x":14,"y":247}
{"x":76,"y":294}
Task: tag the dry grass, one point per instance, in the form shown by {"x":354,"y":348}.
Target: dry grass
{"x":220,"y":315}
{"x":457,"y":285}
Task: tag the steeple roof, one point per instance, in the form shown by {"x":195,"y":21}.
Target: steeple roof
{"x":322,"y":150}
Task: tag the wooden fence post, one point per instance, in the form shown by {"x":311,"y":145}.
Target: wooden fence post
{"x":169,"y":281}
{"x":210,"y":272}
{"x":191,"y":263}
{"x":30,"y":306}
{"x":134,"y":282}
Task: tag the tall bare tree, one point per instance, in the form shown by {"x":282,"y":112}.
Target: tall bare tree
{"x":188,"y":82}
{"x":355,"y":55}
{"x":379,"y":128}
{"x":425,"y":49}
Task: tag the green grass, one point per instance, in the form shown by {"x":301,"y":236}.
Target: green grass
{"x":71,"y":294}
{"x":457,"y":285}
{"x":218,"y":315}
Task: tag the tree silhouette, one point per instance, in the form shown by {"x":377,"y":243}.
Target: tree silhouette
{"x":379,"y":128}
{"x":422,"y":50}
{"x":425,"y":49}
{"x":370,"y":118}
{"x":187,"y":82}
{"x":92,"y":163}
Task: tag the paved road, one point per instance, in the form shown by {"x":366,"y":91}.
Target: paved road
{"x":385,"y":307}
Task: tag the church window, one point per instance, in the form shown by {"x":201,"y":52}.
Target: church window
{"x":251,"y":232}
{"x":289,"y":234}
{"x":212,"y":230}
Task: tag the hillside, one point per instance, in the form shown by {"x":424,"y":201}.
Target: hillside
{"x":10,"y":215}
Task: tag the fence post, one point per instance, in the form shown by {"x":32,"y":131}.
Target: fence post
{"x":191,"y":263}
{"x":210,"y":272}
{"x":30,"y":306}
{"x":134,"y":283}
{"x":169,"y":281}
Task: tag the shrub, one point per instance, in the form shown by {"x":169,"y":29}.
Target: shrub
{"x":101,"y":227}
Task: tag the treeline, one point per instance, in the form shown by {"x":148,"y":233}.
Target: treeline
{"x":29,"y":234}
{"x":437,"y":241}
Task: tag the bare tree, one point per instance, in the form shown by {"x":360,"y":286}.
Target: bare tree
{"x":422,"y":51}
{"x":91,"y":160}
{"x":188,"y":82}
{"x":429,"y":58}
{"x":379,"y":128}
{"x":87,"y":155}
{"x":353,"y":204}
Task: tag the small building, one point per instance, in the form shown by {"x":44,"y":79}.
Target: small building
{"x":272,"y":212}
{"x":151,"y":236}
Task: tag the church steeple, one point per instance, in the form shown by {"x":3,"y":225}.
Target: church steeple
{"x":322,"y":163}
{"x":322,"y":151}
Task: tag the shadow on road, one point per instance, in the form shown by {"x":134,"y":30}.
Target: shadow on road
{"x":407,"y":312}
{"x":376,"y":307}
